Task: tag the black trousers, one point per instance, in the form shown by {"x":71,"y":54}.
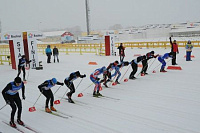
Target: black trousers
{"x":134,"y":67}
{"x":48,"y":57}
{"x":174,"y":58}
{"x":144,"y":66}
{"x":121,"y":58}
{"x":19,"y":71}
{"x":49,"y":96}
{"x":70,"y":85}
{"x":15,"y":102}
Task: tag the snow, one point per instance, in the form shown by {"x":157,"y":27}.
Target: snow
{"x":155,"y":103}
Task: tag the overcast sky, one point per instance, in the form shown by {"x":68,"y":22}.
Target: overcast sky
{"x":46,"y":14}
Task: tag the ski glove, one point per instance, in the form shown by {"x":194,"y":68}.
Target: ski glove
{"x":97,"y":79}
{"x":83,"y":76}
{"x":41,"y":90}
{"x":23,"y":97}
{"x":62,"y":84}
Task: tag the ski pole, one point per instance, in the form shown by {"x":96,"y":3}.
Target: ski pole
{"x":125,"y":73}
{"x":81,"y":94}
{"x":151,"y":64}
{"x":56,"y":90}
{"x":32,"y":109}
{"x":79,"y":84}
{"x":3,"y":107}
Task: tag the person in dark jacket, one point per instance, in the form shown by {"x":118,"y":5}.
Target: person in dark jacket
{"x":11,"y":96}
{"x":48,"y":53}
{"x":45,"y":89}
{"x":69,"y":83}
{"x":149,"y":55}
{"x":121,"y":52}
{"x":134,"y":65}
{"x":55,"y":54}
{"x":174,"y":50}
{"x":21,"y":66}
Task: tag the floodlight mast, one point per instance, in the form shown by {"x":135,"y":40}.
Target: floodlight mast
{"x":87,"y":16}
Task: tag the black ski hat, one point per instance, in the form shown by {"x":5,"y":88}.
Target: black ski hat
{"x":77,"y":73}
{"x":18,"y":80}
{"x":170,"y":53}
{"x":152,"y":52}
{"x":23,"y":56}
{"x":116,"y":62}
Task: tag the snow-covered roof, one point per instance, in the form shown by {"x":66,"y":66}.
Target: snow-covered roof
{"x":53,"y":33}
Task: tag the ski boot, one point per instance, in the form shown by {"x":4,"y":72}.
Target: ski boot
{"x":95,"y":94}
{"x":47,"y":110}
{"x":70,"y":100}
{"x":99,"y":94}
{"x":12,"y":124}
{"x":20,"y":122}
{"x":53,"y":109}
{"x":105,"y":85}
{"x":117,"y":82}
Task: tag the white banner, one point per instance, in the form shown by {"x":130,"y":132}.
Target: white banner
{"x":19,"y":49}
{"x":32,"y":47}
{"x":112,"y":45}
{"x":11,"y":36}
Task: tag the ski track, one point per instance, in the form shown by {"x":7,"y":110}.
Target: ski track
{"x":154,"y":103}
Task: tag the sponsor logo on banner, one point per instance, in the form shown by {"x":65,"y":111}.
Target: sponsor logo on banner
{"x":30,"y":35}
{"x":11,"y":36}
{"x":7,"y":36}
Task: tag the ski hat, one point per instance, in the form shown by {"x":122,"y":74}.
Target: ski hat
{"x":23,"y":56}
{"x":116,"y":62}
{"x":152,"y":52}
{"x":189,"y":42}
{"x":77,"y":73}
{"x":104,"y":68}
{"x":54,"y":80}
{"x":18,"y":80}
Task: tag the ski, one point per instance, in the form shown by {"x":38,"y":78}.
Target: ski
{"x":14,"y":127}
{"x":29,"y":128}
{"x":109,"y":97}
{"x":106,"y":97}
{"x":57,"y":114}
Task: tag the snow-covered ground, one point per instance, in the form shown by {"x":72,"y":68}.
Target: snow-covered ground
{"x":156,"y":103}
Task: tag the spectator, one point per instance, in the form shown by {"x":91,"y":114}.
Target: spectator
{"x":48,"y":53}
{"x":188,"y":48}
{"x":55,"y":54}
{"x":174,"y":50}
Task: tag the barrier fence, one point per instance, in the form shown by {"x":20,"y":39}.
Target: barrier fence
{"x":97,"y":49}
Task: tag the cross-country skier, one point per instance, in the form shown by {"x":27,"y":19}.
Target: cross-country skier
{"x":45,"y":89}
{"x":134,"y":65}
{"x":162,"y":58}
{"x":94,"y":78}
{"x":11,"y":96}
{"x":145,"y":61}
{"x":21,"y":66}
{"x":69,"y":83}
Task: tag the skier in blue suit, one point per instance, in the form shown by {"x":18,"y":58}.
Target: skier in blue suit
{"x":162,"y":58}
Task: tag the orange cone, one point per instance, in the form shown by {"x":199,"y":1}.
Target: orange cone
{"x":154,"y":71}
{"x":57,"y":102}
{"x":80,"y":94}
{"x":114,"y":83}
{"x":126,"y":80}
{"x":142,"y":74}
